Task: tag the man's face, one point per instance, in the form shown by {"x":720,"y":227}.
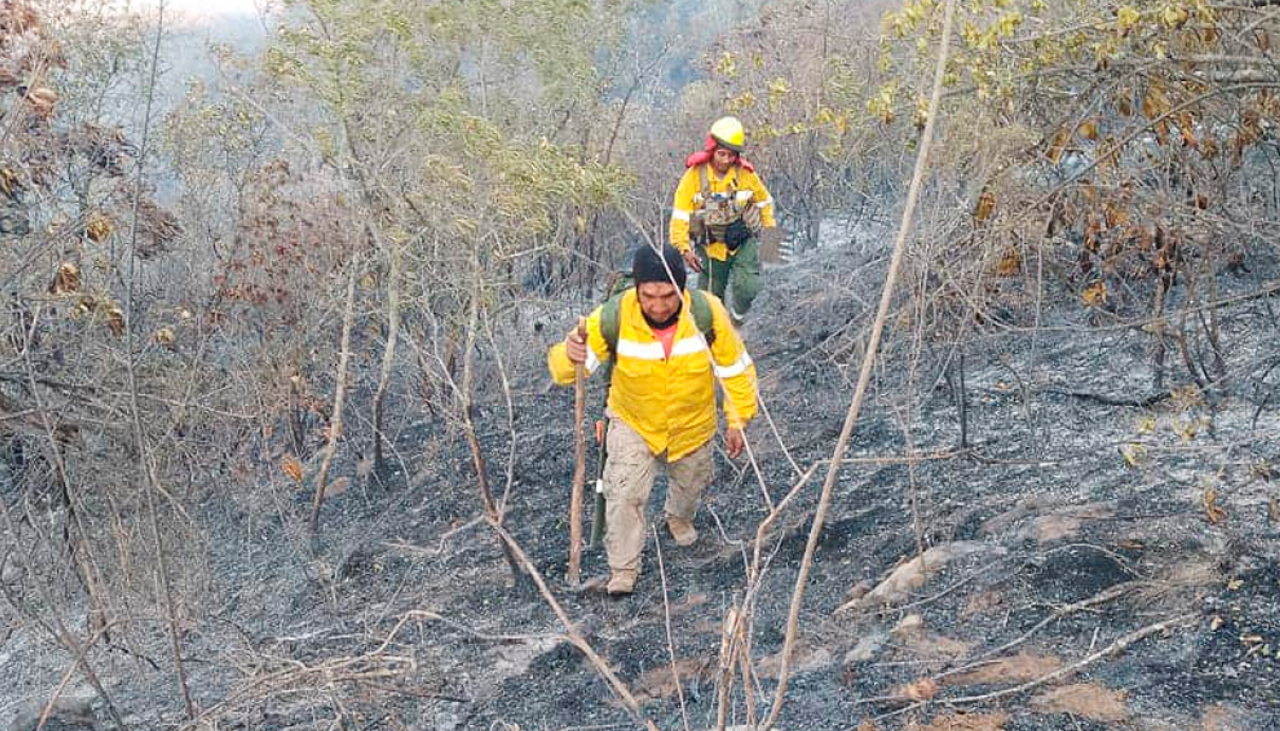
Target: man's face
{"x":658,"y":300}
{"x":722,"y":159}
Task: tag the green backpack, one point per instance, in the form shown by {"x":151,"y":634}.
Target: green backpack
{"x":610,"y":317}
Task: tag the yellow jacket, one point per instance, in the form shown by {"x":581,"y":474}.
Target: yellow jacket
{"x":671,"y":402}
{"x":688,"y":200}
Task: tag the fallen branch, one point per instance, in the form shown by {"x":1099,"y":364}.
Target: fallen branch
{"x":1115,"y":648}
{"x":1101,"y":597}
{"x":570,"y":629}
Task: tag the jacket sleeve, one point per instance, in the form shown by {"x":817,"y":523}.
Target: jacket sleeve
{"x":682,"y":208}
{"x":597,"y":352}
{"x":761,"y":199}
{"x":734,"y":368}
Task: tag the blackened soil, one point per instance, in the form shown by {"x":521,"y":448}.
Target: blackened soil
{"x":405,"y":570}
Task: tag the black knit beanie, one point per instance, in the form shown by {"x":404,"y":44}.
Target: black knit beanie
{"x":647,"y":265}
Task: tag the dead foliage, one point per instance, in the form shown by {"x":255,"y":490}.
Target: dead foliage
{"x":923,"y":689}
{"x":1013,"y":669}
{"x":1220,"y":717}
{"x":1087,"y":700}
{"x":913,"y":574}
{"x":657,"y":682}
{"x":805,"y":659}
{"x":914,"y":637}
{"x":963,"y":722}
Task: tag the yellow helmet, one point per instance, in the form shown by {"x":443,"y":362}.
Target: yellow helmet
{"x":728,"y":132}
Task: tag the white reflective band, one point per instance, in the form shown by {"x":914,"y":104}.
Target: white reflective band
{"x":743,"y":196}
{"x":737,"y":369}
{"x":689,"y":346}
{"x":680,"y":215}
{"x":640,"y":351}
{"x":592,"y":363}
{"x":765,"y":203}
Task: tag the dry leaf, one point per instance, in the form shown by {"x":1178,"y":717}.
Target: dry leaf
{"x":337,"y":487}
{"x":1010,"y":264}
{"x":1087,"y":700}
{"x":1095,"y":295}
{"x":115,"y":320}
{"x":42,"y":100}
{"x":1058,"y":145}
{"x":986,"y":203}
{"x":66,"y":280}
{"x":1155,"y":103}
{"x":1088,"y":129}
{"x":98,"y":227}
{"x":1211,"y":508}
{"x":291,"y":467}
{"x":923,"y":689}
{"x":164,"y":336}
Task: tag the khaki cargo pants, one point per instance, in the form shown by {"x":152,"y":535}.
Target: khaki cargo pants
{"x":628,"y":479}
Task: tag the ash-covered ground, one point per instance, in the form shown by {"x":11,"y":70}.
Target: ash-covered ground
{"x":1101,"y":553}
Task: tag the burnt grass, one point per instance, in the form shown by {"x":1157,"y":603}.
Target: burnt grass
{"x":1044,"y":483}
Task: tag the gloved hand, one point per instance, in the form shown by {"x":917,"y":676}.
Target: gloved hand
{"x":736,"y":234}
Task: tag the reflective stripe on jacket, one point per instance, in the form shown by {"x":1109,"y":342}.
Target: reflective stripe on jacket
{"x":671,"y":402}
{"x":687,"y":202}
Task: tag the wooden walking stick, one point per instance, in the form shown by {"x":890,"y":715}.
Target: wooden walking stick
{"x":574,"y":574}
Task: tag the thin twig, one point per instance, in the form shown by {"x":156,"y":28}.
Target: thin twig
{"x":671,"y":645}
{"x":864,"y":376}
{"x":1115,"y":648}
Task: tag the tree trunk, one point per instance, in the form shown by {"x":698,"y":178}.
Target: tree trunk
{"x":339,"y":395}
{"x":389,"y":354}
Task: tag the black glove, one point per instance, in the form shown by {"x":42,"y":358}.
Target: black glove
{"x":736,"y":234}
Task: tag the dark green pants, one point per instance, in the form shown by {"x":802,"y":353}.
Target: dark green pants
{"x":738,"y":275}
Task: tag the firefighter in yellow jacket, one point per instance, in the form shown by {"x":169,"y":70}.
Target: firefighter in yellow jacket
{"x":721,"y":206}
{"x":662,"y":400}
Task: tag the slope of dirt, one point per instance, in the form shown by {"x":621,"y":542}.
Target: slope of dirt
{"x":1093,"y":589}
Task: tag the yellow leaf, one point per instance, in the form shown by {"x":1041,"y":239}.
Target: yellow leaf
{"x":1127,"y":18}
{"x":986,"y":203}
{"x":1058,"y":145}
{"x":291,"y":467}
{"x":1088,"y":129}
{"x":1134,"y":454}
{"x":98,"y":227}
{"x":1095,"y":294}
{"x":164,"y":336}
{"x":1010,"y":264}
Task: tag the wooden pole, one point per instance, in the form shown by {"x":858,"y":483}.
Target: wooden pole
{"x":574,"y":574}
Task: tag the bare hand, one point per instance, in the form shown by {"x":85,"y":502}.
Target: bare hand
{"x":734,"y":441}
{"x":575,"y":343}
{"x":692,"y":261}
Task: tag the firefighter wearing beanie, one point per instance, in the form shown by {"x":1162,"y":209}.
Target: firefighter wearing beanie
{"x":662,"y":399}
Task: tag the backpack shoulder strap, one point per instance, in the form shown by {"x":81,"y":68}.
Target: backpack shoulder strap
{"x":705,"y":183}
{"x":609,"y":321}
{"x":702,"y":316}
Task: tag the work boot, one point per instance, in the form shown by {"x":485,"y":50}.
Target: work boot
{"x":682,"y":530}
{"x":622,"y":582}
